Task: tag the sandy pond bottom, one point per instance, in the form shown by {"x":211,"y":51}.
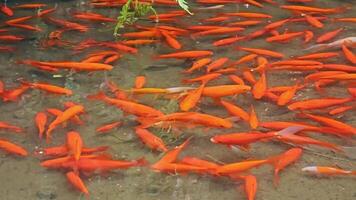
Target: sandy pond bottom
{"x":24,"y":178}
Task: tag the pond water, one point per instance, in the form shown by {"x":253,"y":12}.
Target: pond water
{"x":24,"y":178}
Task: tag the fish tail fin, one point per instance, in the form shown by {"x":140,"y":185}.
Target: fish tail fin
{"x":317,"y":47}
{"x":276,"y":178}
{"x":141,"y":162}
{"x":99,"y":95}
{"x":289,"y":130}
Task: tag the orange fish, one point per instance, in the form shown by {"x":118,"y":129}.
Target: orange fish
{"x":198,"y":162}
{"x":317,"y":103}
{"x":340,"y":110}
{"x":247,"y":74}
{"x":248,"y":15}
{"x":31,"y":6}
{"x":108,"y":127}
{"x":227,"y":41}
{"x":284,"y":160}
{"x":239,"y":167}
{"x":151,"y":140}
{"x":74,"y":144}
{"x":75,"y":65}
{"x":225,"y":90}
{"x":308,"y":36}
{"x":102,"y":165}
{"x":41,"y":120}
{"x":216,"y":64}
{"x":236,"y":79}
{"x":171,"y":41}
{"x":348,"y":54}
{"x":186,"y":54}
{"x":284,"y":37}
{"x":63,"y":117}
{"x":18,"y":20}
{"x":128,"y":106}
{"x":276,"y":24}
{"x":192,"y":98}
{"x":250,"y":186}
{"x":260,"y":87}
{"x":243,"y":140}
{"x":77,"y":182}
{"x":287,"y":96}
{"x":11,"y":38}
{"x":255,"y":3}
{"x":198,"y":64}
{"x":204,"y":78}
{"x":7,"y":126}
{"x":331,"y":123}
{"x":67,"y":24}
{"x":6,"y":10}
{"x":12,"y":95}
{"x":313,"y":9}
{"x":235,"y":110}
{"x":347,"y":76}
{"x":178,"y":168}
{"x":197,"y":118}
{"x":244,"y":59}
{"x":318,"y":75}
{"x":323,"y":170}
{"x":245,"y":23}
{"x":303,"y":140}
{"x":253,"y":121}
{"x":313,"y":21}
{"x":140,"y":81}
{"x":49,"y":88}
{"x":328,"y":36}
{"x":264,"y":52}
{"x":218,"y":31}
{"x":92,"y":17}
{"x":319,"y":55}
{"x":12,"y":148}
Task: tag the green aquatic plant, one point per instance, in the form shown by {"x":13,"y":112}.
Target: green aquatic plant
{"x":184,"y":5}
{"x":131,"y":12}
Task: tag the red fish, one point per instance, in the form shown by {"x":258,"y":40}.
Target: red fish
{"x":186,"y":54}
{"x":63,"y":117}
{"x":192,"y":98}
{"x":330,"y":171}
{"x":48,"y":88}
{"x":107,"y":127}
{"x":77,"y":182}
{"x":284,"y":160}
{"x":6,"y":10}
{"x":151,"y":140}
{"x":12,"y":148}
{"x":7,"y":126}
{"x":328,"y":36}
{"x":12,"y":95}
{"x":74,"y":144}
{"x":140,"y":81}
{"x":41,"y":120}
{"x":128,"y":106}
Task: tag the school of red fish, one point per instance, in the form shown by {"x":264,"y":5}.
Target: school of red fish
{"x":327,"y":60}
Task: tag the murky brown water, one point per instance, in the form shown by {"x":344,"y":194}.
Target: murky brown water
{"x":24,"y":178}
